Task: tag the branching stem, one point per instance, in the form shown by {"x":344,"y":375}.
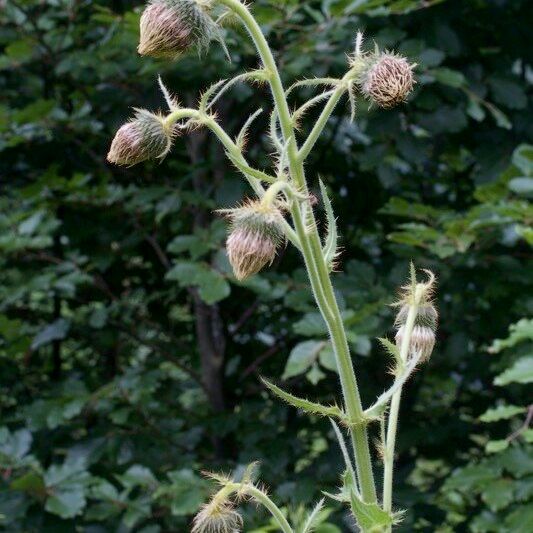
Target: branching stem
{"x":312,"y":249}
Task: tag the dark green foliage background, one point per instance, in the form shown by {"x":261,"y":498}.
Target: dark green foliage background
{"x":130,"y":358}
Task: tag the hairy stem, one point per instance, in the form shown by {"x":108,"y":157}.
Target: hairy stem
{"x":392,"y":428}
{"x":274,"y":510}
{"x":312,"y":252}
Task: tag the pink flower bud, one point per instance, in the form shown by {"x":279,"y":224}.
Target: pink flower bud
{"x":144,"y":137}
{"x":170,"y":27}
{"x":255,"y":236}
{"x":388,"y":79}
{"x":422,"y":341}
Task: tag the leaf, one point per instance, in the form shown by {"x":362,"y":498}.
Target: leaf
{"x":302,"y":357}
{"x":472,"y":477}
{"x":327,"y":358}
{"x":495,"y":446}
{"x":186,"y":492}
{"x":66,"y":503}
{"x":446,"y":76}
{"x":520,"y":372}
{"x":523,"y":158}
{"x":502,"y":412}
{"x":315,"y":375}
{"x":313,"y":518}
{"x":212,"y":286}
{"x":13,"y":446}
{"x":55,"y":331}
{"x":369,"y":516}
{"x":519,"y":332}
{"x":305,"y":405}
{"x":517,"y":460}
{"x":137,"y":476}
{"x":519,"y":518}
{"x":522,"y":186}
{"x":331,"y":242}
{"x":499,"y":494}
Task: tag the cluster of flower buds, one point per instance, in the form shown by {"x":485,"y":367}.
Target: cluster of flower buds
{"x":146,"y":136}
{"x":422,"y":340}
{"x":255,"y":235}
{"x":385,"y":78}
{"x":171,"y":27}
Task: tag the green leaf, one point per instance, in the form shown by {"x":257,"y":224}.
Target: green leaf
{"x":186,"y":492}
{"x":499,"y":494}
{"x":495,"y":446}
{"x":520,"y":372}
{"x":518,"y":519}
{"x":66,"y":503}
{"x":527,"y":435}
{"x":523,"y":158}
{"x":137,"y":476}
{"x":31,"y":482}
{"x":519,"y":332}
{"x":302,"y":357}
{"x":327,"y":358}
{"x":330,"y":244}
{"x":518,"y":460}
{"x":305,"y":405}
{"x":212,"y":286}
{"x":449,"y":77}
{"x":369,"y":516}
{"x":522,"y":186}
{"x":55,"y":331}
{"x":13,"y":446}
{"x":502,"y":412}
{"x":472,"y":477}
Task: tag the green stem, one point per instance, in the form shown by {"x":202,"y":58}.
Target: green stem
{"x":313,"y":136}
{"x":312,"y":252}
{"x":274,"y":510}
{"x":233,"y":150}
{"x":392,"y":427}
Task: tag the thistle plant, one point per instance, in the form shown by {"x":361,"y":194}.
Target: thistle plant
{"x":282,"y":210}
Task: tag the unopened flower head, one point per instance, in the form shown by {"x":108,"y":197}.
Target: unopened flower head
{"x":254,"y":238}
{"x":422,"y":341}
{"x":144,"y":137}
{"x":217,"y":517}
{"x":387,"y":79}
{"x":419,"y":297}
{"x":170,"y":27}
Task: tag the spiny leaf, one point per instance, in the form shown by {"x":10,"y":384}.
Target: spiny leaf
{"x":330,"y":246}
{"x":243,"y":134}
{"x":391,"y":349}
{"x":370,"y":517}
{"x":204,"y":99}
{"x":306,"y":405}
{"x":348,"y":462}
{"x":313,"y":82}
{"x":274,"y":137}
{"x":300,"y":112}
{"x":311,"y":522}
{"x":171,"y":101}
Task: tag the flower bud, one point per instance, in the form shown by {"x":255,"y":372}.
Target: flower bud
{"x":169,"y":28}
{"x":387,"y":79}
{"x":256,"y":233}
{"x":417,"y":297}
{"x":216,"y":517}
{"x":144,"y":137}
{"x":422,"y":341}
